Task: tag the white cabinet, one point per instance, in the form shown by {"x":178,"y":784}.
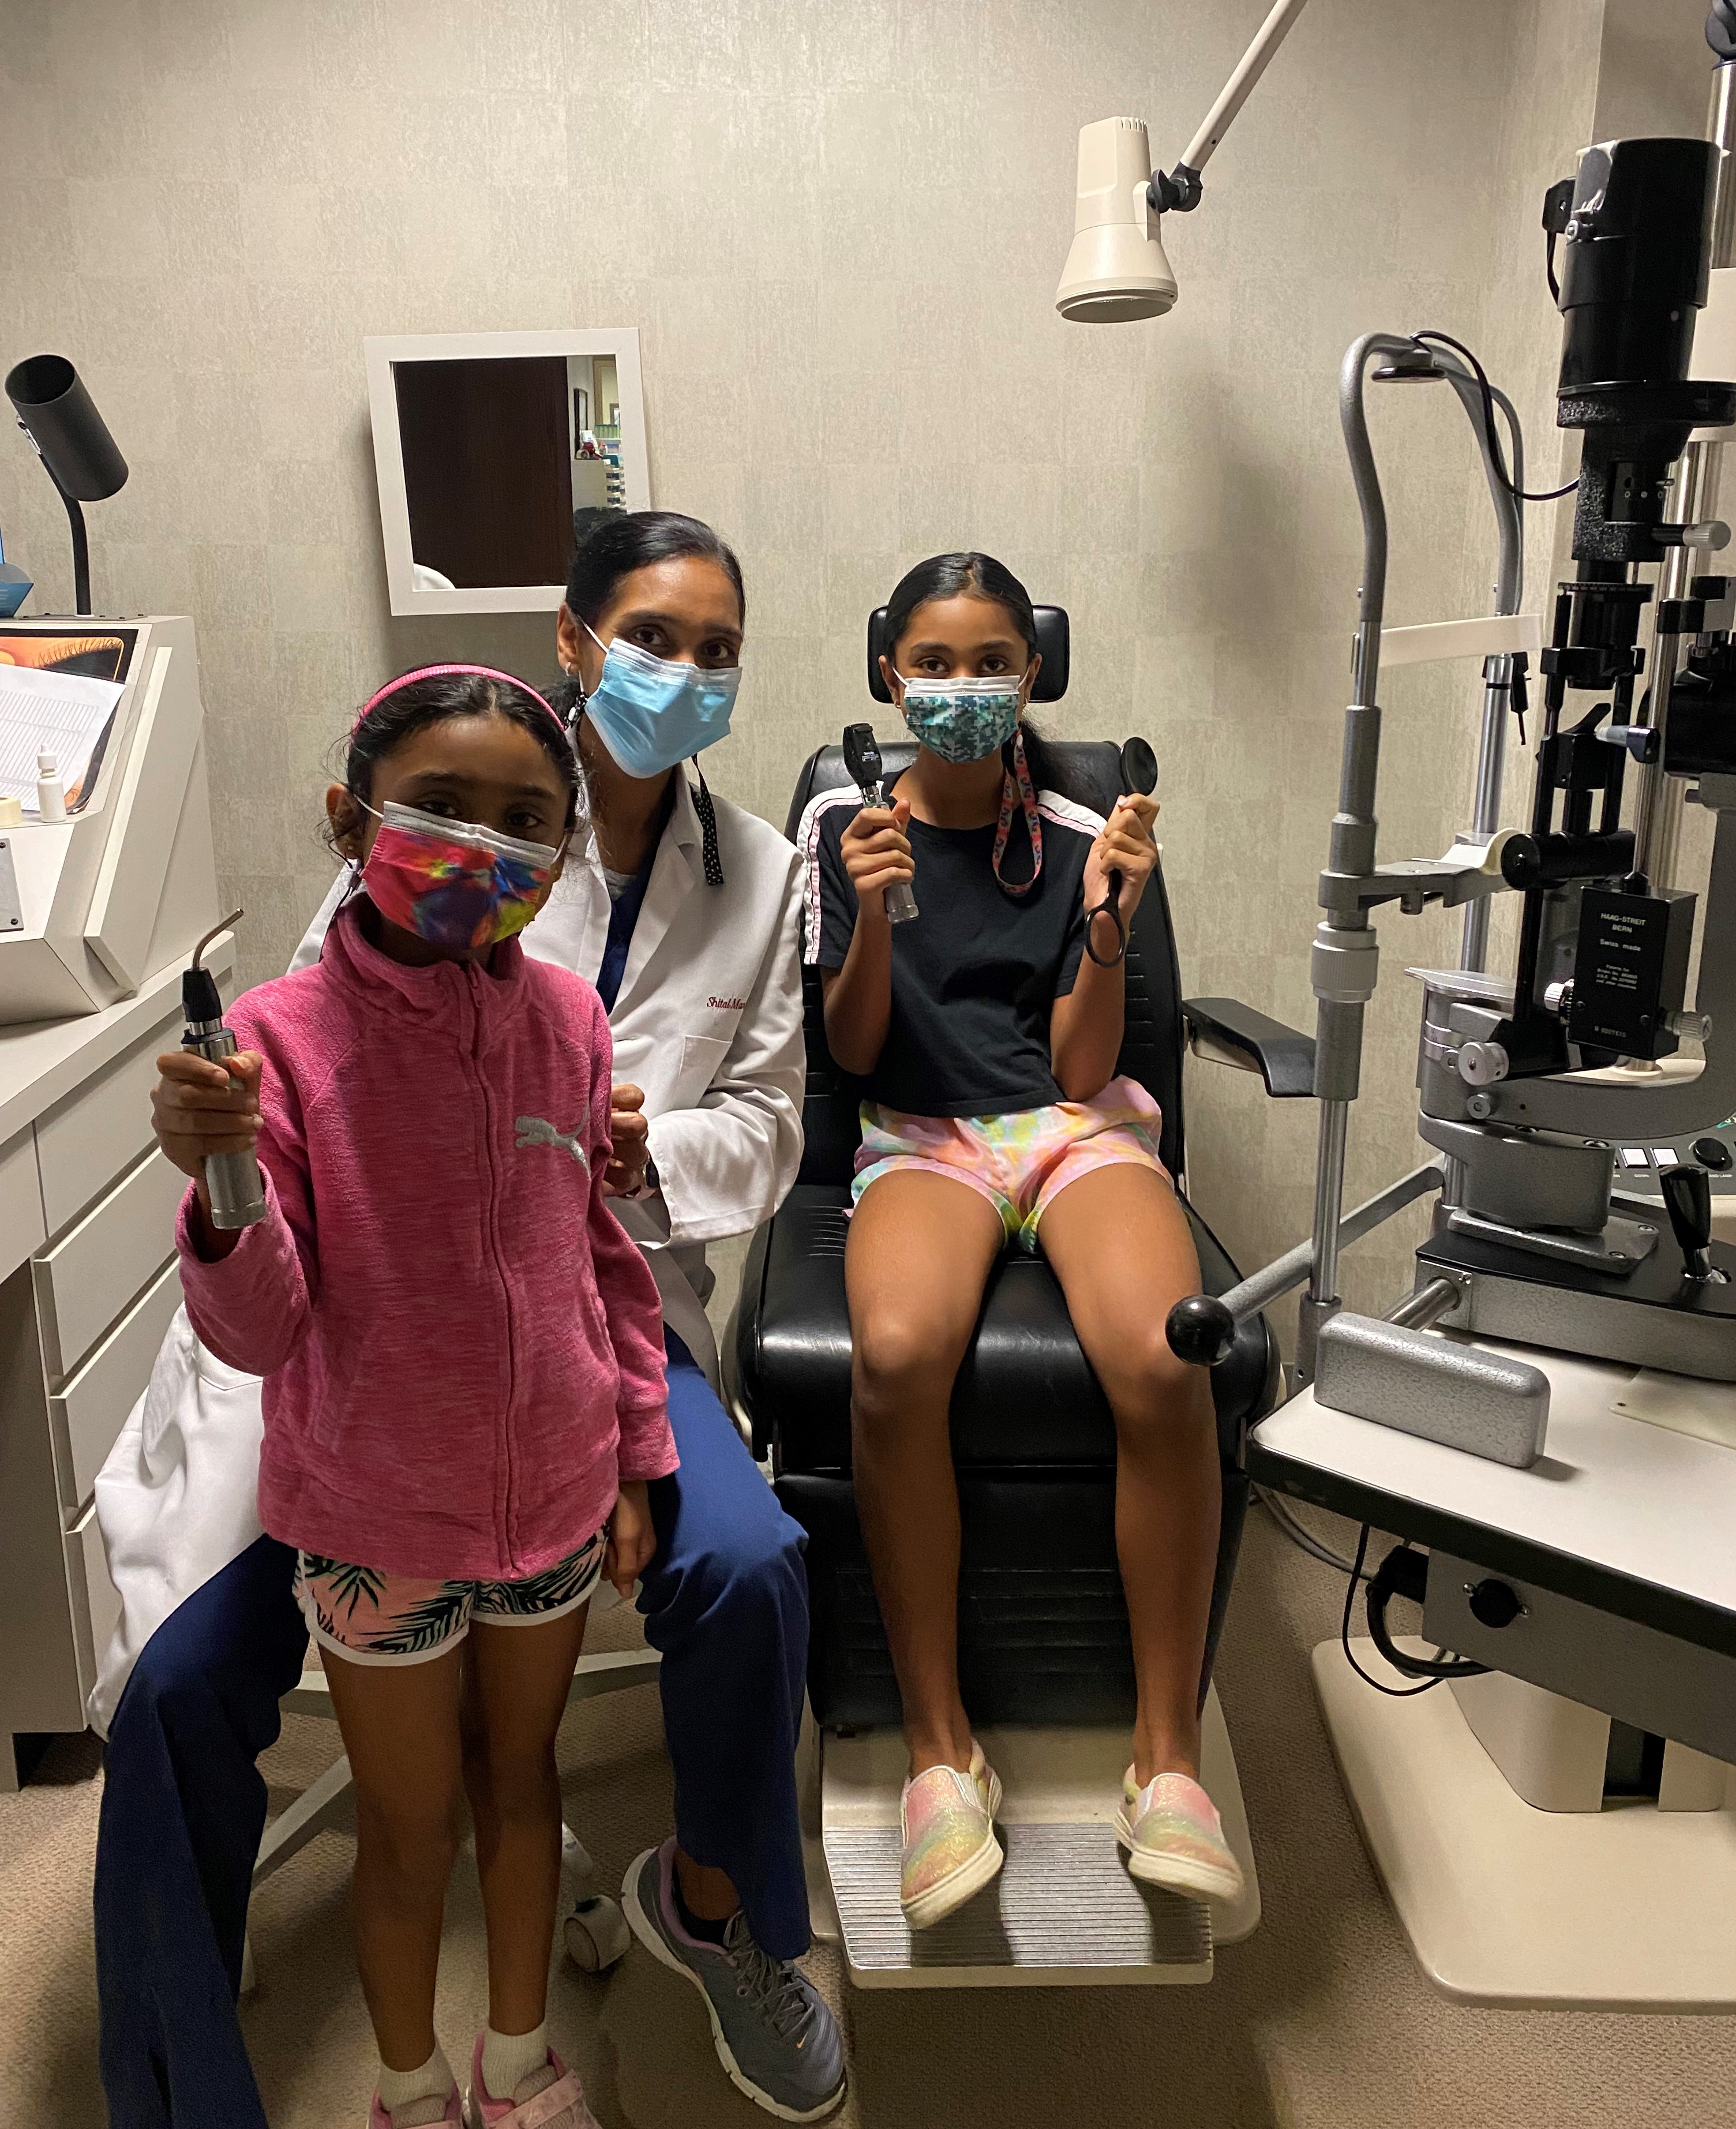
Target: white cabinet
{"x":88,"y":1282}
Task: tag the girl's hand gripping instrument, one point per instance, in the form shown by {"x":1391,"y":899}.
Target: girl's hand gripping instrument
{"x":233,"y":1180}
{"x":1138,"y":777}
{"x":862,"y":758}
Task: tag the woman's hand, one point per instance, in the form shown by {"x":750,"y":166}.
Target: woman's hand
{"x":199,"y":1107}
{"x":632,"y":1542}
{"x":1125,"y":846}
{"x":877,"y":855}
{"x":630,"y":1132}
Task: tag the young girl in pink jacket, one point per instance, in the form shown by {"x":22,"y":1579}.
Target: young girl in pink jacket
{"x":463,"y":1352}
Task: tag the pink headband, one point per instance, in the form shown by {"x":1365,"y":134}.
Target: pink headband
{"x":435,"y":672}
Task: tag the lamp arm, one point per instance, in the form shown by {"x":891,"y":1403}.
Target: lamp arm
{"x":1179,"y":189}
{"x":75,"y":522}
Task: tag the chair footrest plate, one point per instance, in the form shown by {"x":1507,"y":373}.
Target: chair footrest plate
{"x":1063,"y":1909}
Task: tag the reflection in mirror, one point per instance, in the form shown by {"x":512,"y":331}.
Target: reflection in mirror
{"x":485,"y":444}
{"x":485,"y":468}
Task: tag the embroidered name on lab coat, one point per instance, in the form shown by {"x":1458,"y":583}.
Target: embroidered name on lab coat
{"x":534,"y":1131}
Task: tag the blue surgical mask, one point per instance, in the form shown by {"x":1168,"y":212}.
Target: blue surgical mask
{"x":963,"y":720}
{"x":651,"y":713}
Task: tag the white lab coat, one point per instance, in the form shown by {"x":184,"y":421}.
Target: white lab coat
{"x":707,"y":1020}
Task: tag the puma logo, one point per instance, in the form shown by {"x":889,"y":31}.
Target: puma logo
{"x":535,"y":1131}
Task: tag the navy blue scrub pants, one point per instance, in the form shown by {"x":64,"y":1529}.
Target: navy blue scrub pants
{"x":184,"y":1805}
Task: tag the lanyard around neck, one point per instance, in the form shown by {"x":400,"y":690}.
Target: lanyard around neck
{"x":1016,"y":787}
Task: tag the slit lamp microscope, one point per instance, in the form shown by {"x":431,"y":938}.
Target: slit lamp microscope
{"x":1531,"y":1087}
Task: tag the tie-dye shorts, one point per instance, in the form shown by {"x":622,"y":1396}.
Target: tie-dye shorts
{"x":1021,"y":1162}
{"x":374,"y":1617}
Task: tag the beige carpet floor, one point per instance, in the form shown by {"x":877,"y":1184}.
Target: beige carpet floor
{"x":1320,"y":2020}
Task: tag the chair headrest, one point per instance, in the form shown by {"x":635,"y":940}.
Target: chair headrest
{"x":1053,"y":640}
{"x":1091,"y":767}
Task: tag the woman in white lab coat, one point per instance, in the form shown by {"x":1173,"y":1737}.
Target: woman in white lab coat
{"x":685,"y":913}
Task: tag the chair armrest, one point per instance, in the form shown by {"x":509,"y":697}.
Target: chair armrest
{"x":1231,"y":1033}
{"x":738,"y":1351}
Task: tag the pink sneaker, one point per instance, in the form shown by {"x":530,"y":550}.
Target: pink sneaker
{"x":1174,"y":1838}
{"x":550,"y":2098}
{"x":418,"y":2113}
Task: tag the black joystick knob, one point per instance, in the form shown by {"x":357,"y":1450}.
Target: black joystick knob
{"x":1493,"y":1604}
{"x":1201,"y":1330}
{"x":1687,"y":1198}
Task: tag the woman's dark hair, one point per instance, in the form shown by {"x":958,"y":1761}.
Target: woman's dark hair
{"x":439,"y":696}
{"x":982,"y":576}
{"x":609,"y":544}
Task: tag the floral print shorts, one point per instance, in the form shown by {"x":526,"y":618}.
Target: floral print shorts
{"x":373,"y":1617}
{"x":1019,"y":1162}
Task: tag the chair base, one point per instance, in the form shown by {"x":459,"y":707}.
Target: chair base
{"x":1063,"y":1912}
{"x":1622,"y":1909}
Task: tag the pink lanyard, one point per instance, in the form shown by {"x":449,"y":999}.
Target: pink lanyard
{"x":1033,"y":825}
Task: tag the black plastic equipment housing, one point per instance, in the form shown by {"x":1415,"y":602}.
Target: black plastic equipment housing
{"x":1635,"y":265}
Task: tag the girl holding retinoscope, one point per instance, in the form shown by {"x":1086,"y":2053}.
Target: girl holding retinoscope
{"x":988,"y":1037}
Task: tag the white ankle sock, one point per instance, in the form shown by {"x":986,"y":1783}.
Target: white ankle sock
{"x":434,"y":2080}
{"x":508,"y":2059}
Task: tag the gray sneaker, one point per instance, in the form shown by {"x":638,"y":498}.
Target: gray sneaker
{"x":773,"y":2035}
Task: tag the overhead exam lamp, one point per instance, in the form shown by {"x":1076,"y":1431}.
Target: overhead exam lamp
{"x":1116,"y":268}
{"x":72,"y":440}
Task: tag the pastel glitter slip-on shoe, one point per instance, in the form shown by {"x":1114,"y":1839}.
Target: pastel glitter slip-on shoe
{"x":550,"y":2098}
{"x":950,"y":1851}
{"x":1174,"y":1838}
{"x":418,"y":2113}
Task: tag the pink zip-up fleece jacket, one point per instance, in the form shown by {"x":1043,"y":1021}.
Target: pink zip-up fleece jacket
{"x":463,"y":1351}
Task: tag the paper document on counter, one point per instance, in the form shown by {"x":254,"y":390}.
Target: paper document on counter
{"x":65,"y":712}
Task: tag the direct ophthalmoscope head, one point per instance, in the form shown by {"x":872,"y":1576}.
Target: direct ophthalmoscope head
{"x":862,"y":756}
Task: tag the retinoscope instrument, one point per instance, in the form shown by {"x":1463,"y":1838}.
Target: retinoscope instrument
{"x":1139,"y":779}
{"x":233,"y":1180}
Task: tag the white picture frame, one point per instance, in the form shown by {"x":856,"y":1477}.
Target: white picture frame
{"x":383,"y":351}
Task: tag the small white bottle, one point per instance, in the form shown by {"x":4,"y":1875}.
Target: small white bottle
{"x":51,"y":789}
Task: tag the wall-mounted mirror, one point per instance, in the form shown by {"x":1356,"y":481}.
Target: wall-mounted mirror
{"x":485,"y":444}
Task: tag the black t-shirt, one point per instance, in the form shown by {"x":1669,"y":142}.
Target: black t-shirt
{"x":976,"y":969}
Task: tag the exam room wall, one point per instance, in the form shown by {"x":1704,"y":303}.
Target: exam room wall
{"x":838,"y":231}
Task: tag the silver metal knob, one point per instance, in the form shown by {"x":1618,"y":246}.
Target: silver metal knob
{"x":1692,"y":1026}
{"x":1482,"y":1064}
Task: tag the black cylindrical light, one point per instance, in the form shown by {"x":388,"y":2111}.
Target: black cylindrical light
{"x":63,"y":422}
{"x":72,"y":440}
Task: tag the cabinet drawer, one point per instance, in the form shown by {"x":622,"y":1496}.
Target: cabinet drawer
{"x":96,"y":1602}
{"x":91,"y":1411}
{"x":116,"y":1250}
{"x":85,"y":1141}
{"x":21,"y":1203}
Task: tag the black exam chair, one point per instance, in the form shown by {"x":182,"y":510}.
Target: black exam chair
{"x":1043,"y":1629}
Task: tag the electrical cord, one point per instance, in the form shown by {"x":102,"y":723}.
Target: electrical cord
{"x":1382,"y":1584}
{"x":1392,"y":1691}
{"x":1401,"y":1566}
{"x":1298,"y":1535}
{"x":1523,"y":494}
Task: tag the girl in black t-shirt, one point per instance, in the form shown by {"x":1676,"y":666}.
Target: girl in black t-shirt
{"x":989,"y":1038}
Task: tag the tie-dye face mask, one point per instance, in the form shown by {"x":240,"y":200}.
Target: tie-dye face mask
{"x":455,"y":883}
{"x":963,"y":719}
